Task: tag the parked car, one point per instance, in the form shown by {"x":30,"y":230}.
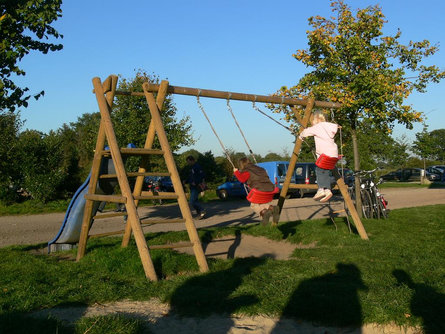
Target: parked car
{"x":231,"y":188}
{"x":392,"y":176}
{"x":414,"y":174}
{"x":439,"y":170}
{"x":158,"y":183}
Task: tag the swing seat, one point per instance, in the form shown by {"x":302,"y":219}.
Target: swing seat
{"x":326,"y":162}
{"x":261,"y":197}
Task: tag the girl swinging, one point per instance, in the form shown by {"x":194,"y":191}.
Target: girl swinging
{"x":326,"y":150}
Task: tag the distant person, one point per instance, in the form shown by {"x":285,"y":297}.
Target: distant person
{"x":195,"y":180}
{"x":261,"y":190}
{"x":326,"y":150}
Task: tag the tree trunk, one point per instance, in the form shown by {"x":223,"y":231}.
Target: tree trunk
{"x":358,"y":200}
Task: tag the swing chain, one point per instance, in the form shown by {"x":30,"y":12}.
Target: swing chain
{"x":213,"y":129}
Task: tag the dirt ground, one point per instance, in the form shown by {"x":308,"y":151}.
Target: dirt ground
{"x":34,"y":229}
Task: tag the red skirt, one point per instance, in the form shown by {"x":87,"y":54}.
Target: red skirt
{"x":261,"y":197}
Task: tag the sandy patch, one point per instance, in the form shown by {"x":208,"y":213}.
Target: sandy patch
{"x":242,"y":246}
{"x":160,"y":320}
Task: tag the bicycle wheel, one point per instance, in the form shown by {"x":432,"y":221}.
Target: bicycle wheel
{"x":382,"y":207}
{"x":366,"y":203}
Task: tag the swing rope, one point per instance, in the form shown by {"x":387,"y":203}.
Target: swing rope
{"x":239,"y":128}
{"x":214,"y":131}
{"x":273,"y":119}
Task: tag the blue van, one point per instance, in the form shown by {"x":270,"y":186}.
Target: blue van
{"x":277,"y":171}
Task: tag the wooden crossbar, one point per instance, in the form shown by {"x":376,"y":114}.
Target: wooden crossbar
{"x":134,"y":174}
{"x":106,"y":198}
{"x":135,"y":151}
{"x":232,"y":96}
{"x":176,"y":245}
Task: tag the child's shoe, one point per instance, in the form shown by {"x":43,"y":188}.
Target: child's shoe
{"x":327,"y":195}
{"x":275,"y":214}
{"x":320,"y":193}
{"x":265,"y":216}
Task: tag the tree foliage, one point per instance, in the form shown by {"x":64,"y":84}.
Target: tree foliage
{"x":23,"y":26}
{"x":430,"y":144}
{"x":370,"y":74}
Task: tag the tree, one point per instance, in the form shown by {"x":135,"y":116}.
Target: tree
{"x":131,"y":116}
{"x":23,"y":24}
{"x":430,"y":145}
{"x":370,"y":74}
{"x":10,"y":124}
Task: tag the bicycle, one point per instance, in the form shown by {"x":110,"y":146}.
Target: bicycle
{"x":374,"y":205}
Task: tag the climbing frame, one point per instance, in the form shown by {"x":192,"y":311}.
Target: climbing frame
{"x":105,"y":93}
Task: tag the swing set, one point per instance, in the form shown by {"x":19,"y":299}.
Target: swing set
{"x":105,"y":93}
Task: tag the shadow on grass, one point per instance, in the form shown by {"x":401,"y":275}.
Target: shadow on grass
{"x":328,"y":300}
{"x":216,"y":292}
{"x":426,"y":303}
{"x":18,"y":323}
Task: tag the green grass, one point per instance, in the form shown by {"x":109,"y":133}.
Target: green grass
{"x":395,"y":277}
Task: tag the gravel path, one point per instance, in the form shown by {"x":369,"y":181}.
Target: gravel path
{"x":21,"y":230}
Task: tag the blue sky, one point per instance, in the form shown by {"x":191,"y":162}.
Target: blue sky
{"x":239,"y":46}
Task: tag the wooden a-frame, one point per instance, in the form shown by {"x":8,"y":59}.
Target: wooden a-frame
{"x":105,"y":93}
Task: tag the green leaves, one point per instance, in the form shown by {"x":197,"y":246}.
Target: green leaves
{"x":23,"y":24}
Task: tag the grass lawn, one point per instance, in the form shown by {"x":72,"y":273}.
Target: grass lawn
{"x":398,"y":276}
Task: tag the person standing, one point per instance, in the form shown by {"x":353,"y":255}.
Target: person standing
{"x":195,"y":180}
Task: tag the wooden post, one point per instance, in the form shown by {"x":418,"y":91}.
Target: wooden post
{"x":133,"y":217}
{"x":295,"y":153}
{"x":350,"y":205}
{"x":110,"y":85}
{"x":162,"y":92}
{"x":177,"y":185}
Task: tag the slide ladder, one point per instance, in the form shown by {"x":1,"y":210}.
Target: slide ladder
{"x":105,"y":93}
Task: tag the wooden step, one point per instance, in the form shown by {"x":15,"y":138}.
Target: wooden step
{"x":135,"y":151}
{"x":157,"y":195}
{"x":168,"y":246}
{"x":149,"y":221}
{"x":105,"y":234}
{"x":135,"y":174}
{"x":106,"y":198}
{"x":109,"y":215}
{"x":306,"y":186}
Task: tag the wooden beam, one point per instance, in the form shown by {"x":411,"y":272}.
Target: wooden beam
{"x":232,"y":96}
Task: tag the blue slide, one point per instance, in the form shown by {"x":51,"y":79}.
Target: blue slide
{"x":69,"y":232}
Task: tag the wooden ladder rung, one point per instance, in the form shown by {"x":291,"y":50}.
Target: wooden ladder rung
{"x":135,"y":151}
{"x":159,"y":195}
{"x":176,"y":245}
{"x":134,"y":174}
{"x":109,"y":215}
{"x":306,"y":186}
{"x":105,"y":234}
{"x":339,"y":211}
{"x":147,"y":221}
{"x":106,"y":198}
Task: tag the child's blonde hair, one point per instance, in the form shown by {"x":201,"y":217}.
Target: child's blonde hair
{"x":319,"y":116}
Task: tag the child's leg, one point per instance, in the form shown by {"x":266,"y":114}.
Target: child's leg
{"x":324,"y":192}
{"x":323,"y":178}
